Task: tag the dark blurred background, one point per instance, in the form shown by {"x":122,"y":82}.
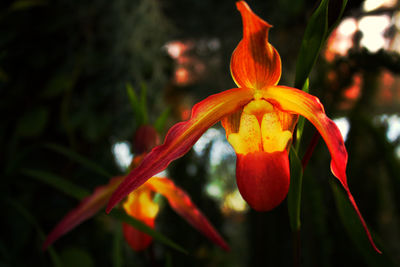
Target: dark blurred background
{"x":64,"y":66}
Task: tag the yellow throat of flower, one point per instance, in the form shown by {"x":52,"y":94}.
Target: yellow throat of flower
{"x":140,"y":204}
{"x":260,"y":129}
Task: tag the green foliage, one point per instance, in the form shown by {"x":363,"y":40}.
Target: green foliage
{"x":57,"y":182}
{"x":294,"y":195}
{"x":32,"y":124}
{"x":139,"y":104}
{"x":84,"y":162}
{"x":314,"y":38}
{"x":74,"y":256}
{"x":123,"y":217}
{"x":355,"y":230}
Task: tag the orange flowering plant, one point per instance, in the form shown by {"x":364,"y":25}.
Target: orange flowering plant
{"x":140,"y":204}
{"x":259,"y":118}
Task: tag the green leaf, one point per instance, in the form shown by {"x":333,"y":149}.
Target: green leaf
{"x":355,"y":230}
{"x":72,"y":155}
{"x":133,"y":99}
{"x":313,"y":40}
{"x":294,"y":195}
{"x":32,"y":123}
{"x":343,"y":7}
{"x":76,"y":257}
{"x":31,"y":219}
{"x":25,"y":4}
{"x":117,"y":248}
{"x":301,"y":122}
{"x":57,"y":182}
{"x":161,"y":120}
{"x":143,"y":103}
{"x":58,"y":84}
{"x":122,"y":216}
{"x":139,"y":106}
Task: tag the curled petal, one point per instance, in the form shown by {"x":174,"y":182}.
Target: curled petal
{"x":296,"y":101}
{"x":183,"y":205}
{"x":86,"y":209}
{"x":263,"y":178}
{"x":255,"y":63}
{"x":181,"y":137}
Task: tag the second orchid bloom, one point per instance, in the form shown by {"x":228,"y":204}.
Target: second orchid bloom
{"x":139,"y":204}
{"x":259,"y":118}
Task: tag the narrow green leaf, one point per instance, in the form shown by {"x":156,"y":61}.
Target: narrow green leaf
{"x":355,"y":230}
{"x":333,"y":26}
{"x":74,"y":256}
{"x":143,"y":103}
{"x":313,"y":40}
{"x":117,"y":248}
{"x":31,"y":219}
{"x":135,"y":103}
{"x":161,"y":120}
{"x":301,"y":121}
{"x":72,"y":155}
{"x":57,"y":182}
{"x":32,"y":123}
{"x":25,"y":4}
{"x":122,"y":216}
{"x":294,"y":195}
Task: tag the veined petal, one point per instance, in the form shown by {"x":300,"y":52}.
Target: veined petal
{"x":296,"y":101}
{"x":255,"y":63}
{"x":183,"y":205}
{"x":263,"y":178}
{"x":181,"y":137}
{"x":86,"y":209}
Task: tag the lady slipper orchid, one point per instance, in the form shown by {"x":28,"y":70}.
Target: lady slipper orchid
{"x":259,"y":118}
{"x":140,"y":205}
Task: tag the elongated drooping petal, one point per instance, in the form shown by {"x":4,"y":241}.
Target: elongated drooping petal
{"x":85,"y":210}
{"x":255,"y":63}
{"x":183,"y":205}
{"x":296,"y":101}
{"x":263,"y":178}
{"x":181,"y":137}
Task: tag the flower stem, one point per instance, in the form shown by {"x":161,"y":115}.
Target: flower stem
{"x":296,"y":248}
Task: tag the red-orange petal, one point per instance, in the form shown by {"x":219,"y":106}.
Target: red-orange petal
{"x":85,"y":210}
{"x":136,"y":239}
{"x":263,"y":178}
{"x":255,"y":63}
{"x":296,"y":101}
{"x":181,"y":137}
{"x":183,"y":205}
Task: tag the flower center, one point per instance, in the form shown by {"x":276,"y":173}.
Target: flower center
{"x":260,"y":129}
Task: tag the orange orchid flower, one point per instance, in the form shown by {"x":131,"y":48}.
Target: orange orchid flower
{"x":140,"y":205}
{"x":259,"y":118}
